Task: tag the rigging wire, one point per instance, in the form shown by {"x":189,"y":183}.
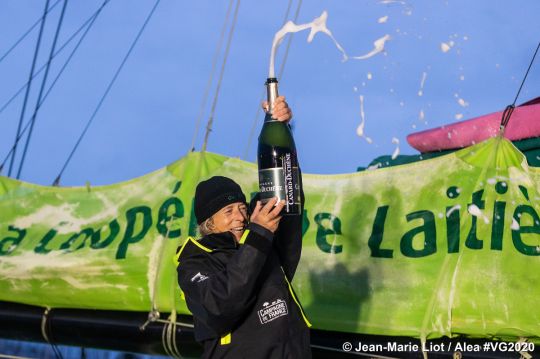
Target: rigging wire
{"x":75,"y":48}
{"x":526,"y":73}
{"x":36,"y":52}
{"x":280,"y":76}
{"x":216,"y":95}
{"x":510,"y":108}
{"x":90,"y":19}
{"x":211,"y":76}
{"x":23,"y":36}
{"x":111,"y":83}
{"x":42,"y":88}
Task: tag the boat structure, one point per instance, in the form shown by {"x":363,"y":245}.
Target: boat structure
{"x":440,"y":249}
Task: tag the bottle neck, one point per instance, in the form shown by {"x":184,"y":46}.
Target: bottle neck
{"x":271,"y":94}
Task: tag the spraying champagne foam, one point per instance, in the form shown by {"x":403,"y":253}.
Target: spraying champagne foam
{"x":422,"y":82}
{"x":317,"y":25}
{"x":360,"y":129}
{"x":396,"y":151}
{"x":378,"y":46}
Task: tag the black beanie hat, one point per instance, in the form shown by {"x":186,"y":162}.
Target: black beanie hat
{"x":214,"y":194}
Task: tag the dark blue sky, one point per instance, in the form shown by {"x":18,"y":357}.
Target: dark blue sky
{"x":148,"y":119}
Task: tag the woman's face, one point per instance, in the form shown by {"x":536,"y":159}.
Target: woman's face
{"x":232,"y":218}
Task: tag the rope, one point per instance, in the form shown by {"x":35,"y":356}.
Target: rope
{"x":164,"y":340}
{"x":527,"y":73}
{"x":45,"y":328}
{"x":506,"y":116}
{"x":57,"y":180}
{"x":163,"y":343}
{"x":168,"y":334}
{"x":36,"y":52}
{"x":153,"y":315}
{"x":173,"y":318}
{"x":280,"y":75}
{"x":510,"y":108}
{"x":216,"y":95}
{"x":211,"y":77}
{"x":42,"y":88}
{"x":175,"y":346}
{"x":93,"y":19}
{"x":44,"y":325}
{"x":27,"y":32}
{"x":171,"y":342}
{"x":168,"y":337}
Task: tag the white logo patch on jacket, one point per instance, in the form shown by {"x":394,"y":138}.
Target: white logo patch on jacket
{"x":271,"y":311}
{"x":199,"y":277}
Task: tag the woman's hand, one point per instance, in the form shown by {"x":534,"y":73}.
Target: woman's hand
{"x":282,"y":112}
{"x":268,"y":215}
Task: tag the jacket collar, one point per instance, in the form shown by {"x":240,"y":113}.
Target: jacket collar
{"x":223,"y":240}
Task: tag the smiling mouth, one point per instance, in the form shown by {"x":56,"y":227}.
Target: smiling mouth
{"x":238,"y":230}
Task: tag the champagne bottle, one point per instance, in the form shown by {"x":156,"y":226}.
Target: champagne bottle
{"x":277,"y":159}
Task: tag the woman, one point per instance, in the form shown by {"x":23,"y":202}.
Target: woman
{"x":236,"y":278}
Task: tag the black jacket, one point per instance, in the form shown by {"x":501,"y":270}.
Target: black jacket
{"x":240,"y":294}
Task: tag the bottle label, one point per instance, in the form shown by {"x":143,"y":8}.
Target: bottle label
{"x":281,"y":182}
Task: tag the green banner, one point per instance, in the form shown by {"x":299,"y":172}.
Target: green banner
{"x":445,"y":246}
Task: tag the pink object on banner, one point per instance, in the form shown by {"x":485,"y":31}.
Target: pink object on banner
{"x":524,"y":123}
